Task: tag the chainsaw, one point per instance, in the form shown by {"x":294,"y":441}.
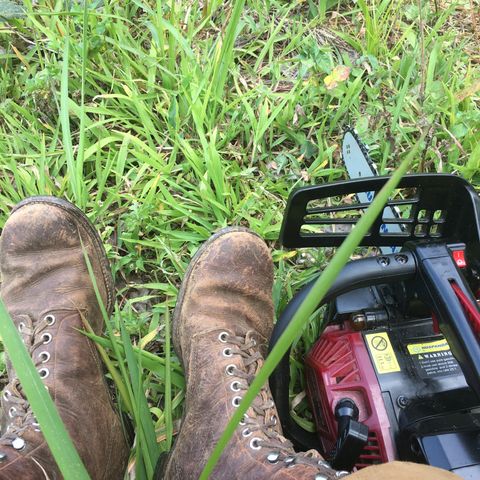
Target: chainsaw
{"x":395,"y":373}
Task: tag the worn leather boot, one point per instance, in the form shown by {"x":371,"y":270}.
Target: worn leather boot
{"x":222,"y":322}
{"x":47,"y":290}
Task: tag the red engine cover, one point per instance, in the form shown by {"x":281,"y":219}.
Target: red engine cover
{"x":338,"y":366}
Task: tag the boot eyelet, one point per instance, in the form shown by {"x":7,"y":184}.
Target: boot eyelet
{"x":273,"y":419}
{"x":236,"y":401}
{"x":37,"y":426}
{"x":44,"y":356}
{"x":254,"y":342}
{"x":243,"y":421}
{"x":235,"y":386}
{"x":47,"y":338}
{"x":6,"y":395}
{"x":255,"y":443}
{"x":18,"y":443}
{"x":319,"y":476}
{"x":50,"y":319}
{"x":229,"y":369}
{"x":289,"y":461}
{"x":341,"y":473}
{"x":324,"y":464}
{"x":11,"y":412}
{"x":272,"y":457}
{"x":227,"y":352}
{"x":246,"y":432}
{"x":223,"y":337}
{"x":20,"y":327}
{"x":44,"y":372}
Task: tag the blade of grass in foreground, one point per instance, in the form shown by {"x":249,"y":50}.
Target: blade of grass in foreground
{"x":168,"y":382}
{"x":147,"y":447}
{"x":42,"y":405}
{"x":308,"y":306}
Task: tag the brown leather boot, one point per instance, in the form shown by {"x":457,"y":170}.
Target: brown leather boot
{"x":47,"y":290}
{"x":222,"y":322}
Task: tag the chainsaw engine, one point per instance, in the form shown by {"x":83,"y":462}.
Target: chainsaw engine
{"x":395,"y":373}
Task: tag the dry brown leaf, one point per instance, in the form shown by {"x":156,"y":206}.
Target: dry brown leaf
{"x":469,"y":91}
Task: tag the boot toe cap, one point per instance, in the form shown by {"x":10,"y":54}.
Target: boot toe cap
{"x":39,"y":225}
{"x":228,"y":285}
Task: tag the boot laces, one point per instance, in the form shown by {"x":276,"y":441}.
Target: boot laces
{"x":263,"y":415}
{"x":20,"y":413}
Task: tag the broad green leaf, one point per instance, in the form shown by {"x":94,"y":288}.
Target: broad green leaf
{"x":10,"y":10}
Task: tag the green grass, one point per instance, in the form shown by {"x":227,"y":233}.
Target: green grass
{"x":167,"y":120}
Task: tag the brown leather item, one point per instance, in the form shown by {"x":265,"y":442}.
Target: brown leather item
{"x":47,"y":289}
{"x":402,"y":471}
{"x":222,"y":322}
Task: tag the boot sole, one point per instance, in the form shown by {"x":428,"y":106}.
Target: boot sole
{"x":92,"y":232}
{"x":186,"y":278}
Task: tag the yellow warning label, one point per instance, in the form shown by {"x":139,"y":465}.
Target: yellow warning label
{"x":382,"y":352}
{"x":436,"y":346}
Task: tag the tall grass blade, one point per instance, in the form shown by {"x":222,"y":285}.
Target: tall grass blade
{"x":150,"y":361}
{"x":308,"y":306}
{"x":143,"y":420}
{"x":147,"y":447}
{"x":81,"y":142}
{"x":116,"y":377}
{"x":168,"y":383}
{"x":53,"y":429}
{"x":65,"y":121}
{"x":225,"y":56}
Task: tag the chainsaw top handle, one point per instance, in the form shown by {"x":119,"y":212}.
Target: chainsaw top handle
{"x":423,"y":206}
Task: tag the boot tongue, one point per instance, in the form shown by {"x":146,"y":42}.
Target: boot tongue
{"x":263,"y":407}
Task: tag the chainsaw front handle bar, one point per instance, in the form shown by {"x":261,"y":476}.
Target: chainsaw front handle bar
{"x":395,"y":267}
